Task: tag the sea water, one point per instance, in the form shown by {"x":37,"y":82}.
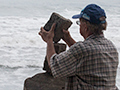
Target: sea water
{"x":22,"y":51}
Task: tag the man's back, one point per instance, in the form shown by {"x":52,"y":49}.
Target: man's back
{"x":97,"y":61}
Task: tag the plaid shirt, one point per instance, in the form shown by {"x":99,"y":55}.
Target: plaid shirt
{"x":89,"y":65}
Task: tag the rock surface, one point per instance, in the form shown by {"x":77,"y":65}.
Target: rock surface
{"x":45,"y":81}
{"x":61,"y":23}
{"x":59,"y":47}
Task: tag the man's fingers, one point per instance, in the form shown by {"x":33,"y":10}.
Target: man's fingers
{"x":53,"y":27}
{"x":42,"y":31}
{"x":65,"y":31}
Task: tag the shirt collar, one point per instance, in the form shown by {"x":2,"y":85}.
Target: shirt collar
{"x":94,"y":36}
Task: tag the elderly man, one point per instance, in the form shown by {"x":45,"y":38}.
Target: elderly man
{"x":90,"y":64}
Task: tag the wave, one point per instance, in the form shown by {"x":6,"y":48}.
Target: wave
{"x":18,"y":67}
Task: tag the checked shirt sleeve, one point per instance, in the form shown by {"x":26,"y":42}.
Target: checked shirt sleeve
{"x":63,"y":64}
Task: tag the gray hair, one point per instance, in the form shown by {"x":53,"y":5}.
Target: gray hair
{"x":97,"y":28}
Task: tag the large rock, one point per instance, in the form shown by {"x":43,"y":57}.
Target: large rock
{"x":44,"y":81}
{"x":61,"y":23}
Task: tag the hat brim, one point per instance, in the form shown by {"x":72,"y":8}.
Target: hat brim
{"x":77,"y":16}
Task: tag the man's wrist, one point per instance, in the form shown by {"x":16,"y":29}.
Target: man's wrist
{"x":50,"y":41}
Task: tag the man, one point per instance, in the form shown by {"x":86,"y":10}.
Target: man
{"x":91,"y":64}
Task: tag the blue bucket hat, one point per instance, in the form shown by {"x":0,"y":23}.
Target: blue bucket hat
{"x":91,"y":13}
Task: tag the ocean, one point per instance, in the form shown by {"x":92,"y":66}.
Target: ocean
{"x":22,"y":51}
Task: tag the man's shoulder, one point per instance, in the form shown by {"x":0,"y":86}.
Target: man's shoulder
{"x":80,"y":45}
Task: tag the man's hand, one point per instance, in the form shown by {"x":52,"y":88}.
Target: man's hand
{"x":67,"y":38}
{"x":47,"y":35}
{"x":66,"y":35}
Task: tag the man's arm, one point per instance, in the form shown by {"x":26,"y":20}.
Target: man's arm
{"x":50,"y":51}
{"x":48,"y":38}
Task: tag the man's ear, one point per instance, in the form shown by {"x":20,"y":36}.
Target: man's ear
{"x":86,"y":28}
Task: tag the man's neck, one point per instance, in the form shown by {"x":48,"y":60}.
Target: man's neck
{"x":89,"y":34}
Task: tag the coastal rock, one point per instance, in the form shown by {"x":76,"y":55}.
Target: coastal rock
{"x":44,"y":81}
{"x":61,"y":23}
